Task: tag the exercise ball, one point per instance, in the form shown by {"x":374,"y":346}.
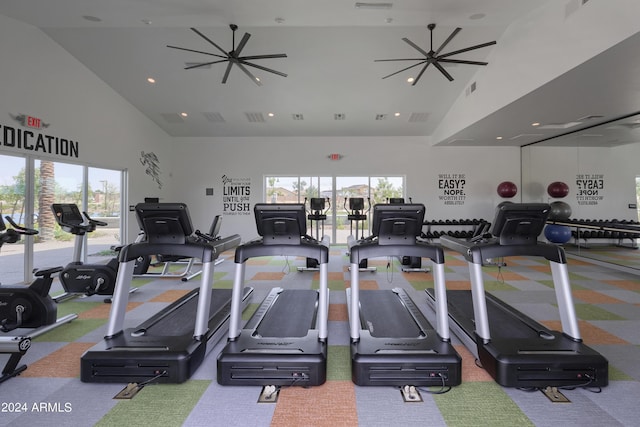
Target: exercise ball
{"x":560,"y":211}
{"x":557,"y":233}
{"x":557,"y":189}
{"x":507,"y":189}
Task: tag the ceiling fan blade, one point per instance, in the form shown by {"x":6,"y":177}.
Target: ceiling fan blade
{"x":260,"y":67}
{"x":415,"y":46}
{"x":415,"y":81}
{"x":196,"y":51}
{"x":226,"y":72}
{"x":204,"y":64}
{"x":399,"y":59}
{"x":443,"y":71}
{"x":446,"y":42}
{"x":478,"y":46}
{"x":275,"y":55}
{"x":461,"y":61}
{"x":243,"y":42}
{"x":405,"y":69}
{"x":248,"y":73}
{"x":195,"y":30}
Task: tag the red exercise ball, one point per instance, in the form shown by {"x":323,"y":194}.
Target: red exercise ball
{"x":558,"y":189}
{"x":507,"y":189}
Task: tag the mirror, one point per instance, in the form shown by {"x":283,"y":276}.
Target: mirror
{"x":601,"y":167}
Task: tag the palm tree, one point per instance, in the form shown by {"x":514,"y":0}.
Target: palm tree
{"x":46,"y":197}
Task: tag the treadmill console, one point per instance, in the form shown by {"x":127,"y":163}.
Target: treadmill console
{"x":281,"y":223}
{"x":397,"y":224}
{"x":519,"y":223}
{"x":164,"y":222}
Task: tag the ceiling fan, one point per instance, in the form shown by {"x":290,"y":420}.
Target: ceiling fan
{"x":434,"y":57}
{"x":233,"y":57}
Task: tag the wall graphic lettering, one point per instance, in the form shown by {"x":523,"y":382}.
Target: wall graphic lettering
{"x":30,"y":139}
{"x":589,"y":189}
{"x":152,"y":164}
{"x":236,"y":193}
{"x":452,"y":187}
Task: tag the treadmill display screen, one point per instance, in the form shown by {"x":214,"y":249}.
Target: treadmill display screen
{"x":164,"y":222}
{"x":281,"y":223}
{"x":397,"y":223}
{"x":519,"y":223}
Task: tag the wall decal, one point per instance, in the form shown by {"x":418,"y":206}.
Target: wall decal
{"x":31,"y":140}
{"x":452,"y":187}
{"x":150,"y":160}
{"x":589,"y":189}
{"x":236,"y":196}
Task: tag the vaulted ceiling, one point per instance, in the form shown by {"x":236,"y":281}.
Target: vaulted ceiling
{"x":333,"y":85}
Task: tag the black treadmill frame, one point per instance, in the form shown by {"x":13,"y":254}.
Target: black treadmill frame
{"x":526,"y":363}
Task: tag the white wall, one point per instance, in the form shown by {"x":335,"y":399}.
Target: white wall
{"x":39,"y":78}
{"x":201,"y":163}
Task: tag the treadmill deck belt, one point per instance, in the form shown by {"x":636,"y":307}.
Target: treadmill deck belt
{"x":384,"y":315}
{"x":291,"y":315}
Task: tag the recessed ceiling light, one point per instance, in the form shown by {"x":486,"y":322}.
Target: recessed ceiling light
{"x":270,"y":114}
{"x":257,"y":79}
{"x":498,"y":137}
{"x":184,"y":114}
{"x":151,"y":80}
{"x":410,"y":80}
{"x":535,"y":124}
{"x":397,"y":114}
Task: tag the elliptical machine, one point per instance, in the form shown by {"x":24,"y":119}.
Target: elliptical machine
{"x":356,"y":215}
{"x":318,"y":213}
{"x":78,"y":278}
{"x":25,"y":307}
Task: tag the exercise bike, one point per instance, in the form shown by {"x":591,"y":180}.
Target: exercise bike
{"x":26,"y":310}
{"x":78,"y":278}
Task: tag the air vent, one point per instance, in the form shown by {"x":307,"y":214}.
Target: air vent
{"x":418,"y":117}
{"x":172,"y":118}
{"x":192,"y":64}
{"x":297,"y":116}
{"x":526,"y":135}
{"x":339,"y":116}
{"x":559,"y":125}
{"x":254,"y":117}
{"x":372,"y":5}
{"x":590,"y":117}
{"x":214,"y":117}
{"x":381,"y":117}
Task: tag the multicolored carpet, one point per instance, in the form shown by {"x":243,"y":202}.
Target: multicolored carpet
{"x":50,"y":392}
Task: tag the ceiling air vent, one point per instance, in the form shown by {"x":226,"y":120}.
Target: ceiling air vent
{"x":172,"y":118}
{"x":254,"y":117}
{"x":373,"y":5}
{"x":418,"y":117}
{"x":339,"y":116}
{"x":297,"y":116}
{"x":214,"y":117}
{"x":381,"y":117}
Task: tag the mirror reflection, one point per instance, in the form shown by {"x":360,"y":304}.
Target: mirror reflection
{"x":591,"y":177}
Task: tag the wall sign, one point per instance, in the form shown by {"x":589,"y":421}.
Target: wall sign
{"x":589,"y":189}
{"x":451,"y":185}
{"x":31,"y":140}
{"x":236,"y":193}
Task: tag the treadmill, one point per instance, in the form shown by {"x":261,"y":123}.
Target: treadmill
{"x":392,"y":342}
{"x":171,"y":345}
{"x":285,"y":342}
{"x":514,"y":349}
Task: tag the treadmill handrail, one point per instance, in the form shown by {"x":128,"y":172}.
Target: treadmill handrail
{"x":371,"y":249}
{"x":308,"y":249}
{"x":205,"y":251}
{"x":480,"y":250}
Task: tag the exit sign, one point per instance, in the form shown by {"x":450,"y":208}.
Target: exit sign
{"x":33,"y":122}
